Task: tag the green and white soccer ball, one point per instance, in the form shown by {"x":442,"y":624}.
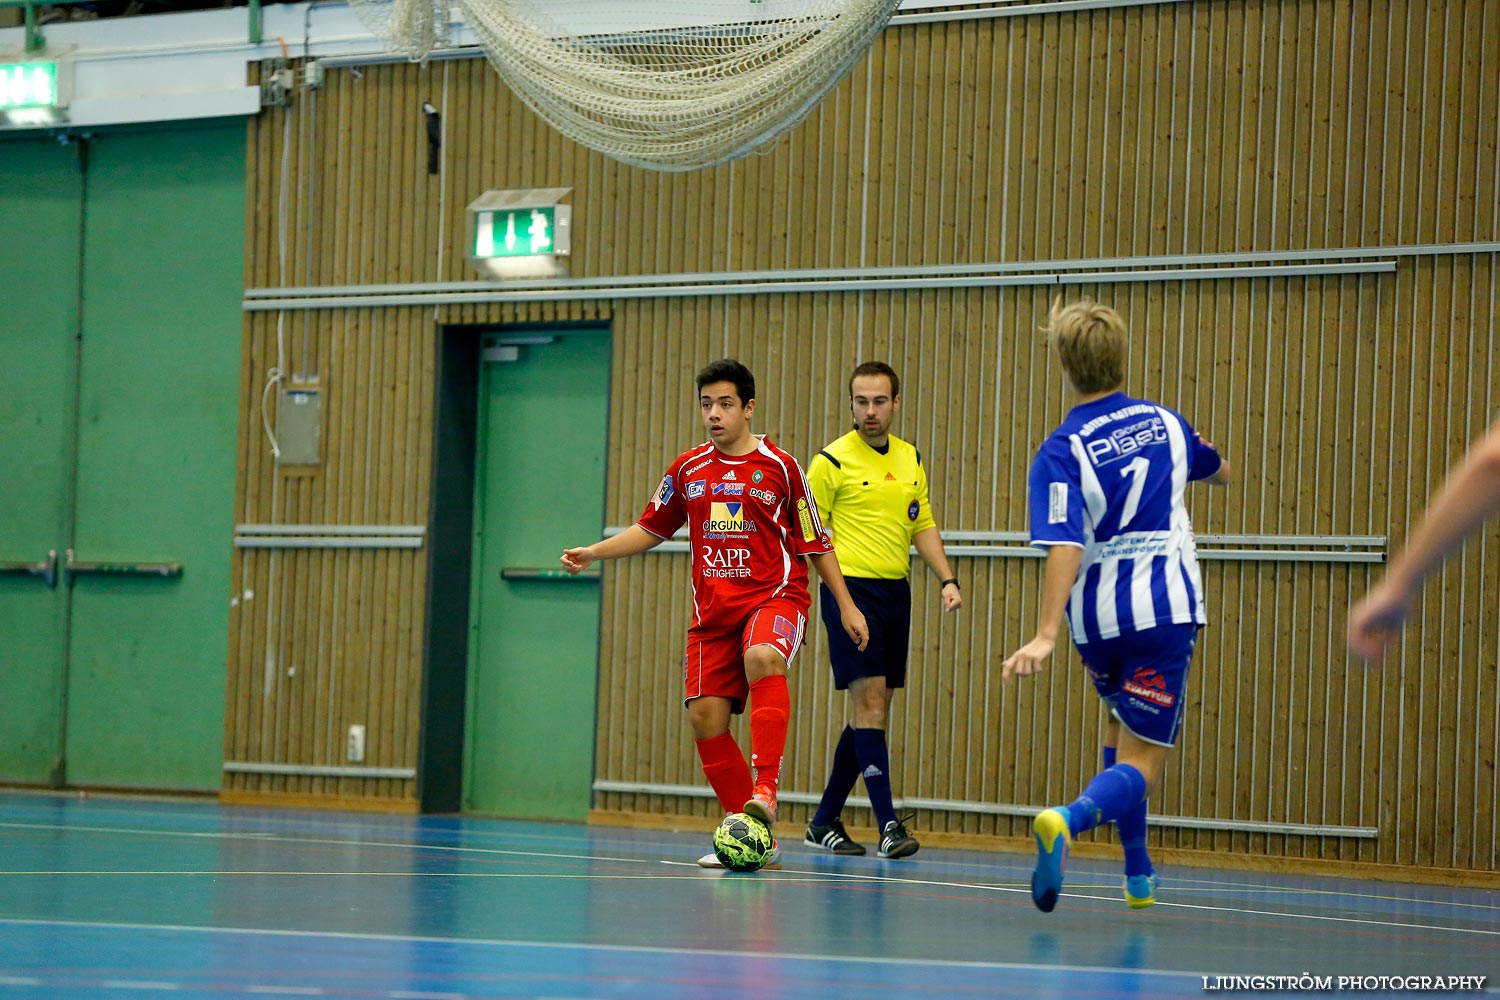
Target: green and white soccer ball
{"x":742,"y":843}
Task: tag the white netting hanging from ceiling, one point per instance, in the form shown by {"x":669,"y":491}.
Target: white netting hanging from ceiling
{"x":665,"y":84}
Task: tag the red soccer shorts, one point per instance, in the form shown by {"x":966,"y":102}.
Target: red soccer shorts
{"x":714,"y":664}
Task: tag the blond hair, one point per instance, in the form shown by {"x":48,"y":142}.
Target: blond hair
{"x":1091,"y":340}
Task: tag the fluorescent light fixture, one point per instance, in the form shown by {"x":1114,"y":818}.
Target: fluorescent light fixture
{"x":32,"y":117}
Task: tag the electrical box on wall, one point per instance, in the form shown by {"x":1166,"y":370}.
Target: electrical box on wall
{"x":299,"y":423}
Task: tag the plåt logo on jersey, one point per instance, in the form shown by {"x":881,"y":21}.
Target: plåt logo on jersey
{"x":1126,"y":441}
{"x":728,"y":517}
{"x":1149,"y":685}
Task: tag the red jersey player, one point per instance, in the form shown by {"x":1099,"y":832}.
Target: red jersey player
{"x":750,"y":515}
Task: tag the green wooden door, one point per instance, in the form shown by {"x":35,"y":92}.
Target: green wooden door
{"x":162,"y":279}
{"x":534,"y":658}
{"x":41,"y":204}
{"x":120,"y":343}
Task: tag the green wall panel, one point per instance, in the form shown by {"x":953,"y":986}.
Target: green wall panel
{"x":163,"y":279}
{"x":40,"y":197}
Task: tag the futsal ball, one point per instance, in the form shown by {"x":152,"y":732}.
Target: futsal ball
{"x":742,"y":843}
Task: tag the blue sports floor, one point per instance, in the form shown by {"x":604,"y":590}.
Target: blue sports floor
{"x":113,"y":897}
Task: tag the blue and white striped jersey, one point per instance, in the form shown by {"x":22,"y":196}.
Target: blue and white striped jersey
{"x":1110,"y":480}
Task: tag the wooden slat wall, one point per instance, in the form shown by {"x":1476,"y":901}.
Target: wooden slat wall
{"x":1176,"y":128}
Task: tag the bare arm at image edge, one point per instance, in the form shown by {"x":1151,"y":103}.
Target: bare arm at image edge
{"x":1469,"y":497}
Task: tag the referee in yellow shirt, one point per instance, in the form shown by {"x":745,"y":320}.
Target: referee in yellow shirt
{"x":871,"y":492}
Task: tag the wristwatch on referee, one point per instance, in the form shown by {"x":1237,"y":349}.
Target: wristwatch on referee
{"x":953,"y":580}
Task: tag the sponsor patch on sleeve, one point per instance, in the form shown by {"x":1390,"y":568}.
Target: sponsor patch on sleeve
{"x":663,"y":493}
{"x":804,"y":518}
{"x":1057,"y":503}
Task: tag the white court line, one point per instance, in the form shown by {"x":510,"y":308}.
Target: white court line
{"x":689,"y":864}
{"x":576,"y":876}
{"x":259,"y":837}
{"x":138,"y":984}
{"x":1020,"y":864}
{"x":772,"y":876}
{"x":325,"y":841}
{"x":613,"y":948}
{"x":1179,"y":881}
{"x":383,"y":828}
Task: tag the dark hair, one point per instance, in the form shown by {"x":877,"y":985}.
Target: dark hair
{"x":876,"y":368}
{"x":729,"y":370}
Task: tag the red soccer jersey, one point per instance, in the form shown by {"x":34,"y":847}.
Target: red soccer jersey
{"x":749,"y":517}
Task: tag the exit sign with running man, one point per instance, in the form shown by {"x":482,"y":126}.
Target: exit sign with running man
{"x":525,"y":233}
{"x":516,"y":232}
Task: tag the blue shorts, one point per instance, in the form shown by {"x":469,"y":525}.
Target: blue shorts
{"x":886,"y":605}
{"x":1143,"y":677}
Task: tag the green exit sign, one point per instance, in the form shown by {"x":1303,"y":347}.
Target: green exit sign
{"x":28,"y":85}
{"x":520,"y":233}
{"x":516,"y":232}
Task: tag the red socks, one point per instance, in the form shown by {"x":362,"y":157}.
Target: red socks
{"x":770,"y":711}
{"x":723,"y":763}
{"x":726,"y":770}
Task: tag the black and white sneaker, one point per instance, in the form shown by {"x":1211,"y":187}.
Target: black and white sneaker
{"x":833,"y":838}
{"x":895,"y":842}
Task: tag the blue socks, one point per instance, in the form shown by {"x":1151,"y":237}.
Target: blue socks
{"x":875,"y":768}
{"x":860,"y":753}
{"x":1132,"y":827}
{"x":841,"y":779}
{"x":1113,"y":792}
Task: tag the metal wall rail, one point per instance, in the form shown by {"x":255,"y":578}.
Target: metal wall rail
{"x":1015,"y":10}
{"x":613,"y":291}
{"x":1224,"y":265}
{"x":317,"y":770}
{"x":1010,"y":809}
{"x":329,"y":536}
{"x":1282,"y":548}
{"x":895,"y":271}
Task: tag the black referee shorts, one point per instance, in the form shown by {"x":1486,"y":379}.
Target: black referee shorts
{"x":887,"y":609}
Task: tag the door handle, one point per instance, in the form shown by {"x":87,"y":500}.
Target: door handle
{"x":552,"y":575}
{"x":74,"y":568}
{"x":46,"y":569}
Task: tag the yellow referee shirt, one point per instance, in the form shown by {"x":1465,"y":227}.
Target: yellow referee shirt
{"x":874,"y":503}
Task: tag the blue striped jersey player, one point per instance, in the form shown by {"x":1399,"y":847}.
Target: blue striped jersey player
{"x":1106,"y":502}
